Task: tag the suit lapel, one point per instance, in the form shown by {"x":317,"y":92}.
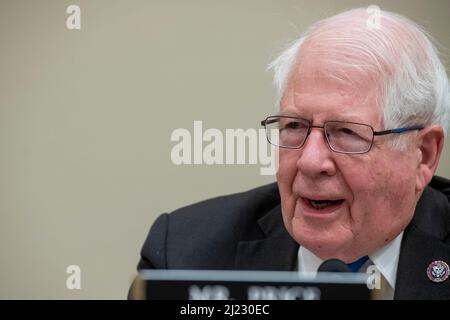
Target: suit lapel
{"x":424,"y":242}
{"x":418,"y":251}
{"x":276,"y":251}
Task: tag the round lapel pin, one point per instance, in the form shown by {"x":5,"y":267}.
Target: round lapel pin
{"x":437,"y":271}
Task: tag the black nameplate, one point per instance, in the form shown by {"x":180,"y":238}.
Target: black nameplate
{"x":251,"y":285}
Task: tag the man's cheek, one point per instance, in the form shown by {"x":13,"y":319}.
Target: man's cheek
{"x":286,"y":172}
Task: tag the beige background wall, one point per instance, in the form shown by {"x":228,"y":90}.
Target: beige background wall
{"x":86,"y":118}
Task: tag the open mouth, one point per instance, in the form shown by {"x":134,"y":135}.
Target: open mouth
{"x":323,"y":204}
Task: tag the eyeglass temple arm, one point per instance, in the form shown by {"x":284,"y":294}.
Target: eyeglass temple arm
{"x":397,"y":130}
{"x":268,"y":121}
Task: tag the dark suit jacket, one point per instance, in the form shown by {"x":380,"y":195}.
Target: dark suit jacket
{"x":245,"y":231}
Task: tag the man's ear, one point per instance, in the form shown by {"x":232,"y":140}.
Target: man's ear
{"x":430,"y":142}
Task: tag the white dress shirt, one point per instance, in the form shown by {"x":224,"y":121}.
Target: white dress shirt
{"x":385,"y":259}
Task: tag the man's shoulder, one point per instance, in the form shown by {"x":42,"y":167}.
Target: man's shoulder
{"x":206,"y":234}
{"x":441,"y":185}
{"x":432,"y":215}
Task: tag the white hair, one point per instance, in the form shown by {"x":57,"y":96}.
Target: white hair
{"x":398,"y":55}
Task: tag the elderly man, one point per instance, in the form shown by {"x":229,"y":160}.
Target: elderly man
{"x":363,"y":114}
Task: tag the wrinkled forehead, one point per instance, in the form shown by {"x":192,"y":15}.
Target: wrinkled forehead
{"x":335,"y":88}
{"x":334,"y":66}
{"x":315,"y":75}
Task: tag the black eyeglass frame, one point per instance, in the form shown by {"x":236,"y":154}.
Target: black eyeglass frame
{"x":273,"y":119}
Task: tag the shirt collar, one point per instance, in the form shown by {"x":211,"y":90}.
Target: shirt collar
{"x":385,"y":259}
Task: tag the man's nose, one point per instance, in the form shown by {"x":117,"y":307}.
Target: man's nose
{"x":316,"y":156}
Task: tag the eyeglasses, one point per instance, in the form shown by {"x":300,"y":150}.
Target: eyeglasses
{"x":341,"y":136}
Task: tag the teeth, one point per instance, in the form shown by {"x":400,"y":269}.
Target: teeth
{"x":320,"y":204}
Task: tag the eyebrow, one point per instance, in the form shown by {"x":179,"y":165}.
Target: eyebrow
{"x":349,"y":118}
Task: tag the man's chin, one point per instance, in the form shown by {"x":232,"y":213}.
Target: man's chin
{"x":325,"y":246}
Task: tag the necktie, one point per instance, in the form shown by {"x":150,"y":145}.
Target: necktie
{"x":355,"y":266}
